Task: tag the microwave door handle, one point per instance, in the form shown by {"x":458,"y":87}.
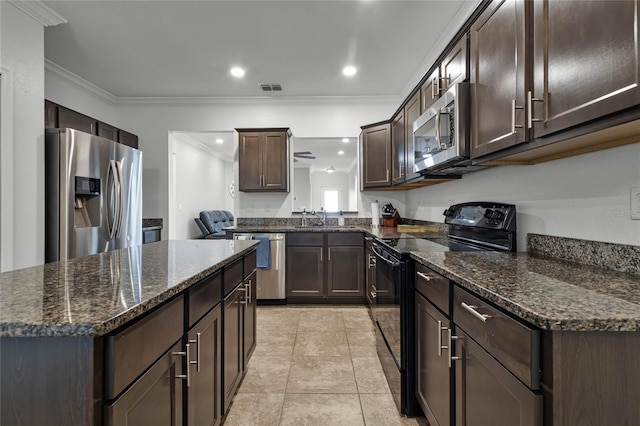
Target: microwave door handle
{"x":438,"y":130}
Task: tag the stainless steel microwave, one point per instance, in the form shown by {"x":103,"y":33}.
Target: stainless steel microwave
{"x":441,"y":134}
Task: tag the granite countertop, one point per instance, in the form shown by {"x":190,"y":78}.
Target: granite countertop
{"x":93,"y":295}
{"x":549,"y":293}
{"x":378,"y":232}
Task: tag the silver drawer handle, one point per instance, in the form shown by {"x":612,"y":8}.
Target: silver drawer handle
{"x":452,"y":337}
{"x":440,"y":330}
{"x":425,"y":276}
{"x":197,"y":361}
{"x":472,"y":310}
{"x":185,"y":353}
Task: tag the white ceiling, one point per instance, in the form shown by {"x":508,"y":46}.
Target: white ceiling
{"x":326,"y":152}
{"x":185,"y":48}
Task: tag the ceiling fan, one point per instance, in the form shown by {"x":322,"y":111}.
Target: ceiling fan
{"x":303,"y":154}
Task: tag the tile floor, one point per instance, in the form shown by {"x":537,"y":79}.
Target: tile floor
{"x":315,"y":365}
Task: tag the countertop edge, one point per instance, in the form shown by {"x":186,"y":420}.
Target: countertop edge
{"x":21,"y":330}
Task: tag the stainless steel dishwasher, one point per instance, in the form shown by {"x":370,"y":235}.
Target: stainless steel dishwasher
{"x":270,"y":286}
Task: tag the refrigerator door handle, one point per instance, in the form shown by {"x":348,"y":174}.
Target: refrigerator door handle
{"x":120,"y":198}
{"x":111,"y":200}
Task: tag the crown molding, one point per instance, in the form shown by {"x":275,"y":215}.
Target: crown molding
{"x":54,"y":70}
{"x":40,"y":12}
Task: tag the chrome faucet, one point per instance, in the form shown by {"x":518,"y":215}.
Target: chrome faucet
{"x":321,"y":215}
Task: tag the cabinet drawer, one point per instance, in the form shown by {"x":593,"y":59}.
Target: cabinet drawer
{"x":514,"y":344}
{"x":233,"y":274}
{"x":249,"y":263}
{"x":130,"y":352}
{"x":305,"y":239}
{"x":434,"y":287}
{"x":204,"y":296}
{"x":345,"y":239}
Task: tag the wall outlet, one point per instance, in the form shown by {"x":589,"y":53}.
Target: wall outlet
{"x":635,"y":203}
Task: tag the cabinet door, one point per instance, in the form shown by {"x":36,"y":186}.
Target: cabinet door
{"x":411,"y":112}
{"x":376,"y":156}
{"x":454,"y":67}
{"x":50,"y":115}
{"x":305,"y":274}
{"x":205,"y":390}
{"x":75,"y":120}
{"x":487,"y":393}
{"x":345,"y":275}
{"x":581,"y":75}
{"x":107,"y":131}
{"x":250,"y":317}
{"x":232,"y":345}
{"x":498,"y":90}
{"x":430,"y":91}
{"x":274,"y":161}
{"x":398,"y":151}
{"x":128,"y":139}
{"x":155,"y":398}
{"x":250,"y":162}
{"x":434,"y":377}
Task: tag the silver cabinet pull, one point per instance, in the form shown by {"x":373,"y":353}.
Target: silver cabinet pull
{"x":321,"y":250}
{"x":425,"y":276}
{"x":387,"y":174}
{"x":186,"y":353}
{"x":433,"y":89}
{"x":197,"y":361}
{"x":247,"y":289}
{"x":329,"y":254}
{"x":514,"y":107}
{"x":440,"y":330}
{"x":472,"y":310}
{"x":244,"y":299}
{"x":373,"y":295}
{"x":450,"y":347}
{"x":530,"y":101}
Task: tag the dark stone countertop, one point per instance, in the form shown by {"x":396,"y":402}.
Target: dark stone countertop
{"x":93,"y":295}
{"x":380,"y":232}
{"x":151,"y":223}
{"x":549,"y":293}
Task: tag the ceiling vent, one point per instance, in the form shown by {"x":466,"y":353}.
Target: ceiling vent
{"x":271,"y":87}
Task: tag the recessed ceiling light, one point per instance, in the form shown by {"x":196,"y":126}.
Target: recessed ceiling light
{"x":349,"y":70}
{"x":237,"y":72}
{"x":331,"y":169}
{"x":345,"y":140}
{"x":340,"y":152}
{"x":219,"y":140}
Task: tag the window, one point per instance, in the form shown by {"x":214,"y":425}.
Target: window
{"x":331,"y":198}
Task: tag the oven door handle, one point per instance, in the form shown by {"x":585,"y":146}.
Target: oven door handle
{"x":378,"y":253}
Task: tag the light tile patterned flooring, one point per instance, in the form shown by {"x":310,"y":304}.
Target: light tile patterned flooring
{"x":315,"y":365}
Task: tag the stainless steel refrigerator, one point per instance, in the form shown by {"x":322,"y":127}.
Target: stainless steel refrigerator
{"x":93,"y":195}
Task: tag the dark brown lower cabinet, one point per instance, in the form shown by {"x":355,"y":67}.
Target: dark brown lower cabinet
{"x":434,"y":376}
{"x":305,"y":272}
{"x":249,"y":317}
{"x":487,"y":393}
{"x":325,"y":266}
{"x":155,"y":398}
{"x":233,"y":343}
{"x":204,"y":394}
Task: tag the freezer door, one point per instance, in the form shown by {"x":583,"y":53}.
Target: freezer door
{"x":129,"y":218}
{"x":84,"y":214}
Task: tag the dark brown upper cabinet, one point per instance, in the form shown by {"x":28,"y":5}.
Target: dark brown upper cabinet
{"x":75,"y":120}
{"x":411,"y":113}
{"x":127,"y":138}
{"x":453,"y":69}
{"x":581,"y":75}
{"x":50,"y":115}
{"x":107,"y":131}
{"x":264,"y":160}
{"x":398,"y":148}
{"x":498,"y":77}
{"x":376,"y":155}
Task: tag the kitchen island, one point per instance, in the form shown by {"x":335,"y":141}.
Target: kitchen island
{"x":77,"y":336}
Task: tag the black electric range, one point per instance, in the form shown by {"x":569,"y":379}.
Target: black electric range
{"x":477,"y":226}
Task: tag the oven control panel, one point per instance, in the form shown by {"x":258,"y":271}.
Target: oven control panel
{"x":481,"y":215}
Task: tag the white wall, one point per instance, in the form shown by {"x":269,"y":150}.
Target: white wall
{"x":22,"y":151}
{"x":587,"y":196}
{"x":200,"y":184}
